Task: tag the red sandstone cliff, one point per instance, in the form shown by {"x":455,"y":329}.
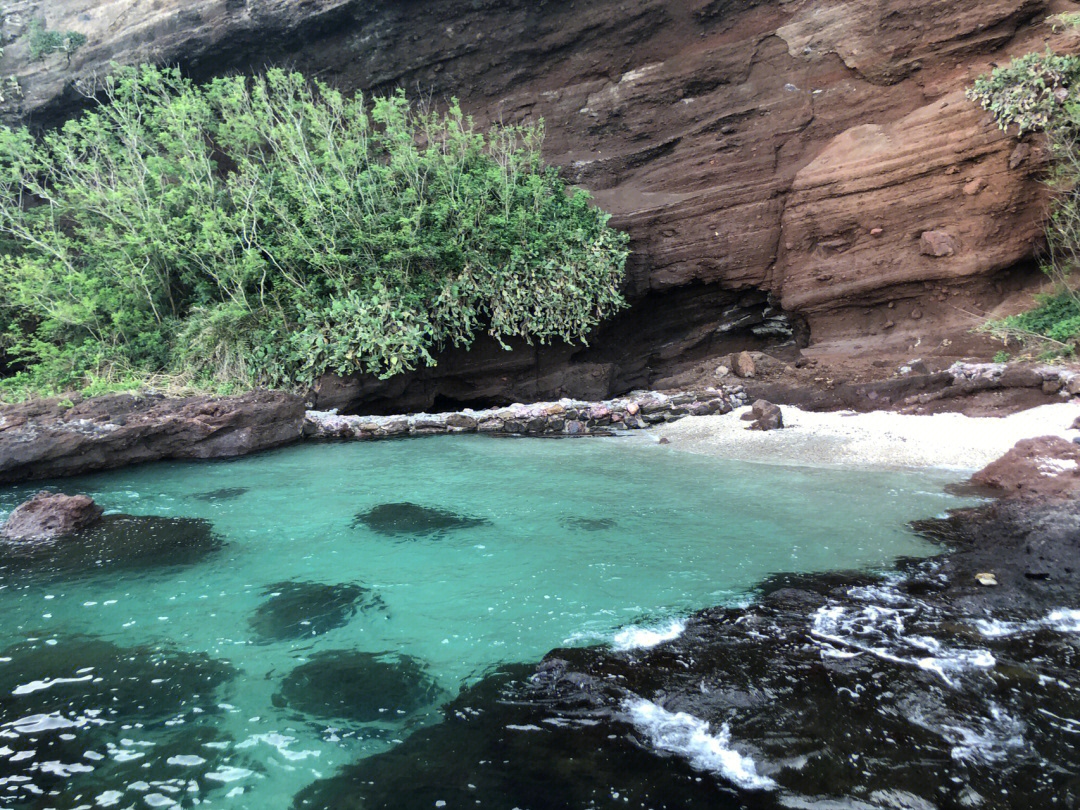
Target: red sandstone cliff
{"x":803,"y":165}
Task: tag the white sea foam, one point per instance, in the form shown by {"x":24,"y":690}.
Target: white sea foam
{"x":992,"y":740}
{"x":1063,"y":620}
{"x":880,"y":631}
{"x":634,"y":638}
{"x":688,"y":736}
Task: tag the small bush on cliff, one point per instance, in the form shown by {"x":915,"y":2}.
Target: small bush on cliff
{"x":1041,"y":92}
{"x":265,"y":231}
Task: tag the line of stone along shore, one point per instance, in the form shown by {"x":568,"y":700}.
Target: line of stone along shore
{"x":566,"y":417}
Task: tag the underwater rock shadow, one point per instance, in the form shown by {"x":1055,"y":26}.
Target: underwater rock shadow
{"x":223,"y":494}
{"x":115,"y":542}
{"x":361,"y":687}
{"x":413,"y":520}
{"x":589,"y":524}
{"x":81,"y":717}
{"x":295,"y":610}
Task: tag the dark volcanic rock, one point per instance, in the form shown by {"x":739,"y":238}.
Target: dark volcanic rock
{"x":49,"y":515}
{"x":362,"y":687}
{"x":303,"y":609}
{"x":1032,"y":549}
{"x":44,"y":439}
{"x":223,"y":494}
{"x":410,"y":519}
{"x":114,"y":542}
{"x":497,"y":748}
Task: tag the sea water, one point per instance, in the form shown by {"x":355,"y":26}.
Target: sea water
{"x":532,"y":545}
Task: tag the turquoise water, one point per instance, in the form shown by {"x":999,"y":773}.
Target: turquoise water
{"x":561,"y":542}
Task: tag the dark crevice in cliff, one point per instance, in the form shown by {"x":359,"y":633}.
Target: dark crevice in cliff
{"x":663,"y":335}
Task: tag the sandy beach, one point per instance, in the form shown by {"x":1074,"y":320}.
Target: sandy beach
{"x":876,"y":439}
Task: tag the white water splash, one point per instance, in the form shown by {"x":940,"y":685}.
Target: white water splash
{"x":880,"y":631}
{"x":635,"y":638}
{"x":688,"y":736}
{"x":1063,"y":620}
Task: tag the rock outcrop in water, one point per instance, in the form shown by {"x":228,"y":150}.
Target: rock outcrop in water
{"x":113,"y":542}
{"x":1042,"y":468}
{"x":49,"y":515}
{"x":51,"y":438}
{"x":782,"y":167}
{"x":414,"y":520}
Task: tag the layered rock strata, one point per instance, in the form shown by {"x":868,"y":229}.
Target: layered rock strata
{"x":52,"y":438}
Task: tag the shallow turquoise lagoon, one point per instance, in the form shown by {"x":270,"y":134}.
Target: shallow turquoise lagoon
{"x":539,"y":544}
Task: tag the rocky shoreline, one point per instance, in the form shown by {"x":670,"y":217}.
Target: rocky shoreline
{"x":63,"y":437}
{"x":566,"y":417}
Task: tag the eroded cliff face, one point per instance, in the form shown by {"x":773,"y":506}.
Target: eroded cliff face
{"x":801,"y":170}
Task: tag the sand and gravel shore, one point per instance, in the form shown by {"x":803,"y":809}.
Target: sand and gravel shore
{"x":875,"y":439}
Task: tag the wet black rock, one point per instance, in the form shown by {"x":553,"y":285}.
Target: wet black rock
{"x":115,"y":542}
{"x":413,"y":520}
{"x":302,"y":609}
{"x":223,"y":494}
{"x":349,"y":685}
{"x":589,"y":524}
{"x":81,"y":716}
{"x":505,"y":743}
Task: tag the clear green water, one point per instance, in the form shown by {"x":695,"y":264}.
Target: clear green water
{"x":583,"y":540}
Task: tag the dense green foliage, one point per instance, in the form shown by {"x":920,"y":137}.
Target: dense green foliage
{"x":1057,"y":318}
{"x":1039,"y":92}
{"x":265,"y":231}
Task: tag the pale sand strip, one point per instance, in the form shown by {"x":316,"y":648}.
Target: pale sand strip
{"x":877,"y":439}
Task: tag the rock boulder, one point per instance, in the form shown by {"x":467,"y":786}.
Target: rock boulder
{"x":49,"y":515}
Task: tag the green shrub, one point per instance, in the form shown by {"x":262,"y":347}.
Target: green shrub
{"x":43,"y":42}
{"x":1030,"y":92}
{"x":1056,"y":318}
{"x":266,"y":231}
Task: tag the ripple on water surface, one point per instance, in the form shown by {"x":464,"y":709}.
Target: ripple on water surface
{"x":303,"y":635}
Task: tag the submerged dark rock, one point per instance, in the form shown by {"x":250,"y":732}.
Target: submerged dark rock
{"x":223,"y":494}
{"x":49,"y":515}
{"x":410,"y":519}
{"x":349,"y":685}
{"x":80,"y":716}
{"x":302,"y":609}
{"x":115,"y":542}
{"x":589,"y":524}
